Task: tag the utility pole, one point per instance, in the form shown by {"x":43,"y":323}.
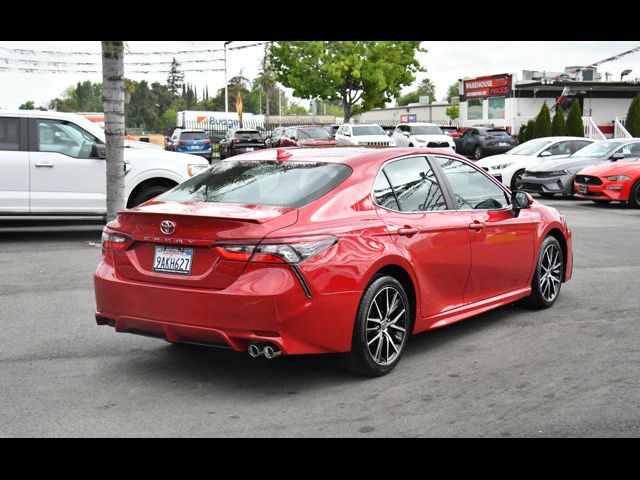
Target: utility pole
{"x":226,"y":89}
{"x":279,"y":107}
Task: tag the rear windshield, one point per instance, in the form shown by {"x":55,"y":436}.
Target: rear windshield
{"x":313,"y":132}
{"x":193,"y":136}
{"x":283,"y":184}
{"x":247,"y":134}
{"x":498,"y":133}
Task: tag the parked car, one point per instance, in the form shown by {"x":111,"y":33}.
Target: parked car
{"x":273,"y":140}
{"x":509,"y":167}
{"x":194,"y":142}
{"x":480,"y":142}
{"x":53,"y":164}
{"x":451,"y":130}
{"x":241,"y":141}
{"x":307,"y":136}
{"x":332,"y":129}
{"x":553,"y":177}
{"x":267,"y":252}
{"x":427,"y":135}
{"x":616,"y":180}
{"x":363,"y":134}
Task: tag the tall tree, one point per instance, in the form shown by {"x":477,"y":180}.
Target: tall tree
{"x":28,"y":105}
{"x":113,"y":101}
{"x":530,"y":130}
{"x":362,"y":75}
{"x":175,"y":80}
{"x":453,"y":91}
{"x":543,"y":122}
{"x":266,"y":79}
{"x":559,"y":126}
{"x":575,"y":127}
{"x":426,"y":88}
{"x":632,"y":124}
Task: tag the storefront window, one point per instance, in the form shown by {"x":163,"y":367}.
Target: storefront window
{"x":496,"y":107}
{"x":474,"y":109}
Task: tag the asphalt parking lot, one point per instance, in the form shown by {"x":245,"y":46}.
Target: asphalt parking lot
{"x":572,"y":370}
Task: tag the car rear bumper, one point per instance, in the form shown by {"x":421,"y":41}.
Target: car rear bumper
{"x":495,"y":150}
{"x":265,"y":304}
{"x":560,"y":184}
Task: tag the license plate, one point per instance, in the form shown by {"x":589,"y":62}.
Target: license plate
{"x":249,"y":149}
{"x":194,"y":147}
{"x":583,"y":188}
{"x":503,"y":144}
{"x":175,"y":260}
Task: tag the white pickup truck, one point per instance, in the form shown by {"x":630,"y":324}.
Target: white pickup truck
{"x":52,"y":165}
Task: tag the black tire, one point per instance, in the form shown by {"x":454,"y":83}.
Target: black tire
{"x":411,"y":144}
{"x":477,"y":152}
{"x":516,"y":180}
{"x":361,"y":359}
{"x":148,"y":193}
{"x":545,"y":293}
{"x":634,"y":195}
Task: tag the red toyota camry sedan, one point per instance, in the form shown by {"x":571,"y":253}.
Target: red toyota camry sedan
{"x":316,"y":250}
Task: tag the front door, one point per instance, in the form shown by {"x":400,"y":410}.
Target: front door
{"x":502,"y":246}
{"x":432,"y":237}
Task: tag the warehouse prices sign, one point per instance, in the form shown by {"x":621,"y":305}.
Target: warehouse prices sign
{"x":492,"y":86}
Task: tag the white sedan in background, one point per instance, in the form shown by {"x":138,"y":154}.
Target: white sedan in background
{"x":422,"y":135}
{"x":509,"y":167}
{"x":370,"y":134}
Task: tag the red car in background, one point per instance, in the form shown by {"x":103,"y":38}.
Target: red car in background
{"x":617,"y":180}
{"x":319,"y":250}
{"x":307,"y":136}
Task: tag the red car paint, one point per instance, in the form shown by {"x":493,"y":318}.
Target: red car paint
{"x":456,"y":268}
{"x":617,"y":190}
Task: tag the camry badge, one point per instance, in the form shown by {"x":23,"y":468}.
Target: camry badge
{"x":167,"y":227}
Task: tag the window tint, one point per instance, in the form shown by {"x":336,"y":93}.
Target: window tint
{"x":383,"y":193}
{"x":314,"y":132}
{"x":368,"y":130}
{"x":247,"y":134}
{"x":286,"y":184}
{"x":578,"y":144}
{"x":630,"y":150}
{"x":193,"y":136}
{"x":64,"y":137}
{"x":9,"y":134}
{"x":425,"y":130}
{"x":472,"y":189}
{"x":560,"y":148}
{"x":415,"y":185}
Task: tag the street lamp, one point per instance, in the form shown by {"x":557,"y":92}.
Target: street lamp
{"x":226,"y":90}
{"x":625,"y":73}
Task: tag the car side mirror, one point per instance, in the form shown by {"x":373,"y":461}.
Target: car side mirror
{"x":617,"y":156}
{"x":98,"y":151}
{"x":546,"y":153}
{"x":520,"y":200}
{"x":346,"y":134}
{"x":406,"y":134}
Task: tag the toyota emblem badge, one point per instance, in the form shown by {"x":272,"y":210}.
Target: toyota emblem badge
{"x":167,"y":227}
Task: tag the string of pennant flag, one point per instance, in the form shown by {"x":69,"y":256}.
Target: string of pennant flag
{"x":4,"y":68}
{"x":37,"y":63}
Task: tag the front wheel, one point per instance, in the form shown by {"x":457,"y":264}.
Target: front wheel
{"x":634,"y":195}
{"x":477,"y":152}
{"x":545,"y":286}
{"x":382,"y":325}
{"x":516,"y":180}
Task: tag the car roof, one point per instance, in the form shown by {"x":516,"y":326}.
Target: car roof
{"x":419,"y":124}
{"x":39,"y":114}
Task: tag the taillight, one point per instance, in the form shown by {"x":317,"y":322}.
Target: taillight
{"x":181,"y":143}
{"x":235,"y":140}
{"x":207,"y":142}
{"x":112,"y":240}
{"x":277,"y":250}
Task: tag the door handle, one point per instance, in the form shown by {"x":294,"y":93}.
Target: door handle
{"x":44,"y":165}
{"x":408,"y":231}
{"x":476,"y":225}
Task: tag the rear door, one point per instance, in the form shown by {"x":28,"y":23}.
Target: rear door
{"x":66,"y":174}
{"x":14,"y":165}
{"x":502,"y":246}
{"x":432,"y":236}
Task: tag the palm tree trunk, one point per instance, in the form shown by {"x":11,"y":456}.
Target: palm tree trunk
{"x":113,"y":104}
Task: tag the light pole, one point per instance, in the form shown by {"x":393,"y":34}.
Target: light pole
{"x":226,"y":89}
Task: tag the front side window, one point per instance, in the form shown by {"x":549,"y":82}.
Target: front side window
{"x":415,"y":185}
{"x":560,"y":148}
{"x":471,"y":189}
{"x":283,"y":184}
{"x":530,"y":147}
{"x":9,"y":134}
{"x":474,"y":109}
{"x":64,"y":137}
{"x":630,"y":150}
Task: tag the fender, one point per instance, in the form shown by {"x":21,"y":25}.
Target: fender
{"x":132,"y":183}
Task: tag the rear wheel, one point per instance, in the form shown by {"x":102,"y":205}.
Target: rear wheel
{"x":634,"y":195}
{"x":545,"y":286}
{"x":382,"y":325}
{"x":477,"y":152}
{"x":516,"y":180}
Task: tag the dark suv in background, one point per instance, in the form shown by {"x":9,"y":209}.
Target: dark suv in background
{"x":241,"y":141}
{"x":479,"y":142}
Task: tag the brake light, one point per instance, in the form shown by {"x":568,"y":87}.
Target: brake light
{"x":277,"y":250}
{"x":207,"y":142}
{"x":181,"y":143}
{"x":236,"y":140}
{"x":112,"y":240}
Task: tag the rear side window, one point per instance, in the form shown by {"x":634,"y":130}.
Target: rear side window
{"x":415,"y":185}
{"x":286,"y":184}
{"x":193,"y":136}
{"x":9,"y":134}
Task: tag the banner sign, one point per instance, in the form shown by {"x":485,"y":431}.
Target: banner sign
{"x":491,"y":86}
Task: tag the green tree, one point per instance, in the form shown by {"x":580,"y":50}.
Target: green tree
{"x":575,"y":127}
{"x":362,"y":75}
{"x":84,"y":97}
{"x":530,"y":131}
{"x":559,"y":126}
{"x":453,"y":91}
{"x":543,"y":122}
{"x":295,"y":109}
{"x":175,"y":80}
{"x":453,"y":112}
{"x":28,"y":105}
{"x":426,"y":88}
{"x":169,"y":117}
{"x":522,"y":133}
{"x":632,"y":124}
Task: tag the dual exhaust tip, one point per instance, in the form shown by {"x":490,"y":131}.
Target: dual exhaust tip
{"x":269,"y":351}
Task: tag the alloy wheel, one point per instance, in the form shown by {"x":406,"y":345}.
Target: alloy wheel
{"x":386,"y":326}
{"x":517,"y":181}
{"x":550,"y":272}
